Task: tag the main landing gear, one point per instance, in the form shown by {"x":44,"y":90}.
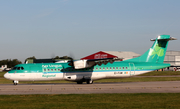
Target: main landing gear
{"x":89,"y":81}
{"x":15,"y":82}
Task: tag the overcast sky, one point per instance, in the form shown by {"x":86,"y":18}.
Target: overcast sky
{"x":47,"y":28}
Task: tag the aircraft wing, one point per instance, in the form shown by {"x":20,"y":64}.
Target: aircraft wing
{"x":80,"y":64}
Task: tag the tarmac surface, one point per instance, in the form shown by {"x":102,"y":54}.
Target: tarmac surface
{"x":72,"y":88}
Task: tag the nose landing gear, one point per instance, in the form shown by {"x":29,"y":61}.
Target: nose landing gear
{"x":15,"y":82}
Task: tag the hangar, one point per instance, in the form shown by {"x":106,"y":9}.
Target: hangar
{"x":112,"y":54}
{"x":172,"y":57}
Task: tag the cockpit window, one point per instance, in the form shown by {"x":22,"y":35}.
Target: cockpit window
{"x":22,"y":68}
{"x":18,"y":68}
{"x":14,"y":68}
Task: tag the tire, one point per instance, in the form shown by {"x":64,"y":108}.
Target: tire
{"x":79,"y":82}
{"x":89,"y":81}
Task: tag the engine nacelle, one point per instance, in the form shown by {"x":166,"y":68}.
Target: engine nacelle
{"x":73,"y":77}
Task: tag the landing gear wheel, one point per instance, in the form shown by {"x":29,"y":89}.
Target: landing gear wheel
{"x":15,"y":82}
{"x":89,"y":81}
{"x":79,"y":82}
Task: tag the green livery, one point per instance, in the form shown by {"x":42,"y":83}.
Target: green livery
{"x":151,"y":60}
{"x":156,"y":53}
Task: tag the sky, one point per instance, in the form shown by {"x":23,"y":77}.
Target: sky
{"x":78,"y":28}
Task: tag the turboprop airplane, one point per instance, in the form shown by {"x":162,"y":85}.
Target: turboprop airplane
{"x":89,"y":70}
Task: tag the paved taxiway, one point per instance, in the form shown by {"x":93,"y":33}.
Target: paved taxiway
{"x":70,"y":88}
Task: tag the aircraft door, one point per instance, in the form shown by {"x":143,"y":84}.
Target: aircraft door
{"x":132,"y":68}
{"x":35,"y":72}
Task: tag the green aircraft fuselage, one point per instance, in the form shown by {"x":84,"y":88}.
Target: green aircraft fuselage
{"x":151,"y":60}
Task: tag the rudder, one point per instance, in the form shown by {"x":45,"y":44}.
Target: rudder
{"x":157,"y":52}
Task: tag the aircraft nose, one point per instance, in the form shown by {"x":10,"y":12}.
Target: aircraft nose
{"x":6,"y":75}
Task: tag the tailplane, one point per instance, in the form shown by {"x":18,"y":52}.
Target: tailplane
{"x":157,"y":52}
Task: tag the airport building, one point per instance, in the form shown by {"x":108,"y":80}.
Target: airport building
{"x":172,"y":57}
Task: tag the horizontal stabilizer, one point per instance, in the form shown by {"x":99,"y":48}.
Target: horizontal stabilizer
{"x":164,"y":37}
{"x":157,"y":52}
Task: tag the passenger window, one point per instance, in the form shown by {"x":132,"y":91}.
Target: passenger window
{"x":107,"y":68}
{"x":113,"y":68}
{"x":51,"y":69}
{"x":119,"y":67}
{"x":116,"y":67}
{"x":55,"y":69}
{"x":126,"y":68}
{"x":123,"y":67}
{"x":48,"y":69}
{"x":44,"y":70}
{"x":58,"y":69}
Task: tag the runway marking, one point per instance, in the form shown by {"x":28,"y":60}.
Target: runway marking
{"x":96,"y":88}
{"x":128,"y":87}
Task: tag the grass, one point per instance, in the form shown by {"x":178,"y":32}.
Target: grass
{"x":153,"y":73}
{"x":162,"y":73}
{"x":89,"y":101}
{"x":133,"y":79}
{"x":2,"y":74}
{"x":129,"y":79}
{"x":96,"y":101}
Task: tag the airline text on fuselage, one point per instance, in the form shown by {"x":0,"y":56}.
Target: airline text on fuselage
{"x":51,"y":65}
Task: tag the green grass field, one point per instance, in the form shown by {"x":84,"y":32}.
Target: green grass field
{"x":129,"y":79}
{"x":161,"y":73}
{"x":154,"y":73}
{"x":96,"y":101}
{"x":91,"y":101}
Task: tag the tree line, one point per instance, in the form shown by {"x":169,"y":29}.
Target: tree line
{"x":56,"y":57}
{"x":12,"y":62}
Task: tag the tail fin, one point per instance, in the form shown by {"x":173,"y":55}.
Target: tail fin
{"x":157,"y":52}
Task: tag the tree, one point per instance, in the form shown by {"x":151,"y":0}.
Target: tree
{"x":57,"y":57}
{"x":10,"y":63}
{"x":65,"y":57}
{"x":33,"y":57}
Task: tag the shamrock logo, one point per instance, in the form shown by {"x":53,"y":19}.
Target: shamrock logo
{"x":157,"y":51}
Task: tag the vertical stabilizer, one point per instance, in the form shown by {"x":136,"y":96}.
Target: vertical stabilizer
{"x":157,"y":52}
